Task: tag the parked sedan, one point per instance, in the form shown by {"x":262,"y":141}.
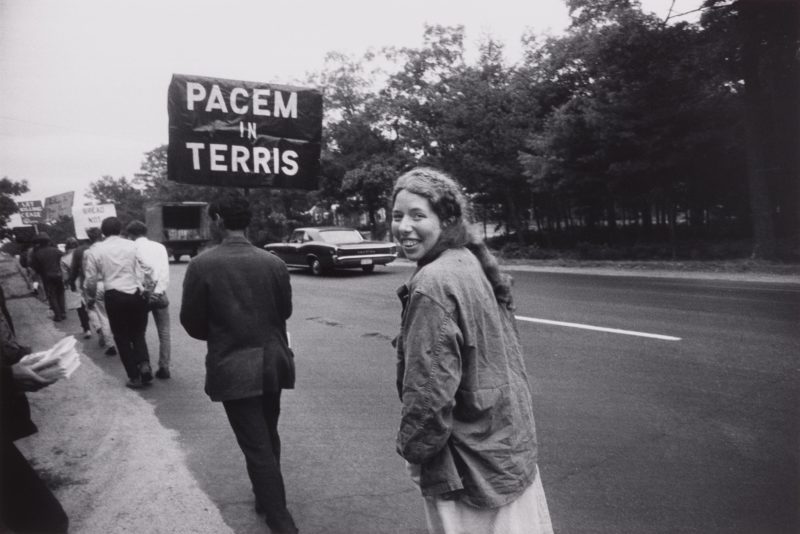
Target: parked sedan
{"x":327,"y":248}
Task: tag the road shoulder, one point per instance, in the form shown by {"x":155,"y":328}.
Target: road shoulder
{"x":103,"y":451}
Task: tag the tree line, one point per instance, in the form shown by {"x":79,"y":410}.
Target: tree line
{"x":627,"y":130}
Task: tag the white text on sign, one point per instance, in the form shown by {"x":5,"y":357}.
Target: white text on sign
{"x":244,"y":159}
{"x":260,"y":100}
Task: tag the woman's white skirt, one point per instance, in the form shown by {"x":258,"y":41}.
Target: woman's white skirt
{"x":528,"y":514}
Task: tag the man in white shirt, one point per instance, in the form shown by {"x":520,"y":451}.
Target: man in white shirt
{"x":154,"y":263}
{"x":113,"y":261}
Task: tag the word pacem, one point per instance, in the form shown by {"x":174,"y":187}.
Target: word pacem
{"x":242,"y":101}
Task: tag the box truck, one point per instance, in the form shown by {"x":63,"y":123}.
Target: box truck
{"x":182,"y":227}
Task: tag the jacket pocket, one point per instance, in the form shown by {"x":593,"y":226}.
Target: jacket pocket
{"x":279,"y":369}
{"x":484,"y":418}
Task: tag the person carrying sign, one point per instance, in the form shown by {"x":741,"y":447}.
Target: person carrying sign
{"x":237,"y":298}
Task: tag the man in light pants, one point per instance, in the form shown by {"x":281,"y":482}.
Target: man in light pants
{"x":154,"y":263}
{"x":98,"y":318}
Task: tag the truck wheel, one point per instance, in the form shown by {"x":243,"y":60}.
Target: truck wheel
{"x":316,"y":267}
{"x":368,"y":268}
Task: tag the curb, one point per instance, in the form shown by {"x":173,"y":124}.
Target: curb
{"x":640,"y":273}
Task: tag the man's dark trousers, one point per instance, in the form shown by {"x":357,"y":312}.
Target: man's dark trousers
{"x":127,"y":316}
{"x":254,"y":420}
{"x":54,"y":289}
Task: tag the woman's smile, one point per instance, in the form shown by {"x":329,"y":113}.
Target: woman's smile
{"x":415,"y":225}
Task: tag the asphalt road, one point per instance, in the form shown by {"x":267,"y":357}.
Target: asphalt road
{"x":637,"y":434}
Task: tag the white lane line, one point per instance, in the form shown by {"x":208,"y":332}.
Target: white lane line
{"x":598,"y":328}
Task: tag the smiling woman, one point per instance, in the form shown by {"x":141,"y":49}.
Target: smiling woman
{"x":415,"y":225}
{"x":467,"y":429}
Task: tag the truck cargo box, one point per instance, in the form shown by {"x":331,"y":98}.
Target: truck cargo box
{"x":182,"y":227}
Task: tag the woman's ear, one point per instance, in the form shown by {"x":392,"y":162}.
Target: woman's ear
{"x":446,"y":223}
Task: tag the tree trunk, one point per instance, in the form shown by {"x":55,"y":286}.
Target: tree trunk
{"x":673,"y":235}
{"x":373,"y":224}
{"x":756,"y":131}
{"x":515,"y":218}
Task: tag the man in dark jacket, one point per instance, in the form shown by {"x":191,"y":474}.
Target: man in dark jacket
{"x":46,"y":261}
{"x":237,"y":298}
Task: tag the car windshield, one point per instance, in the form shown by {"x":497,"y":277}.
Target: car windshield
{"x":337,"y":237}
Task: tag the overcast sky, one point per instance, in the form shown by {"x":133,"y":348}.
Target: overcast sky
{"x":83,"y":83}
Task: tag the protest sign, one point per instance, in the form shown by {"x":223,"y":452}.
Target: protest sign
{"x":58,"y":206}
{"x":30,"y":211}
{"x":245,"y":134}
{"x":91,"y":216}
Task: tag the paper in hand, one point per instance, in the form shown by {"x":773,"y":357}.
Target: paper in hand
{"x":60,"y":361}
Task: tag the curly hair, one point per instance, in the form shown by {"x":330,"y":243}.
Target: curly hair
{"x":449,"y":203}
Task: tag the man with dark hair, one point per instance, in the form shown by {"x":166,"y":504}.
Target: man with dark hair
{"x":113,"y":261}
{"x":237,"y":298}
{"x":46,"y":262}
{"x":154,"y":263}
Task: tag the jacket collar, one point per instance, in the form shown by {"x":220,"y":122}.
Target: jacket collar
{"x":235,"y":240}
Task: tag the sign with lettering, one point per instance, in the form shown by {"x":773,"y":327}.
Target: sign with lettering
{"x":30,"y":211}
{"x":58,"y":206}
{"x":244,"y":134}
{"x":91,"y":216}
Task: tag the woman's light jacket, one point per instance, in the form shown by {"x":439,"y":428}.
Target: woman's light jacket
{"x":467,"y":416}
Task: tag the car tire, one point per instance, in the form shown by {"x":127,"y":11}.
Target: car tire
{"x":316,"y":267}
{"x":368,"y":268}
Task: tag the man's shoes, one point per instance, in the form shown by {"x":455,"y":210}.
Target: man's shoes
{"x":135,"y":383}
{"x":111,"y":351}
{"x":146,"y":372}
{"x":162,"y":373}
{"x":87,"y":334}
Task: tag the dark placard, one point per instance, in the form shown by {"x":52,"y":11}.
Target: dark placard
{"x":243,"y":134}
{"x":30,"y":211}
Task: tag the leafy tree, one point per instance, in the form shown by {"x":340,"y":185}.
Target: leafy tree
{"x":8,"y":189}
{"x":641,"y":125}
{"x":360,"y":161}
{"x":152,"y":179}
{"x":369,"y":187}
{"x":757,"y":42}
{"x":468,"y":119}
{"x":127,"y":198}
